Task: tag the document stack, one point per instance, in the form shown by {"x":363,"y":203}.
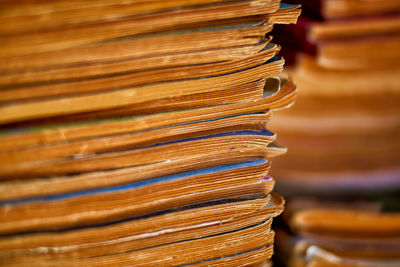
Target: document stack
{"x":134,"y":132}
{"x":342,"y":171}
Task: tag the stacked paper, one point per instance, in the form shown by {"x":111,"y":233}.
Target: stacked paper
{"x":134,"y":132}
{"x":342,"y":172}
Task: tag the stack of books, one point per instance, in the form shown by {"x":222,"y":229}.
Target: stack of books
{"x":340,"y":234}
{"x":134,"y":132}
{"x":343,"y":130}
{"x":341,"y":173}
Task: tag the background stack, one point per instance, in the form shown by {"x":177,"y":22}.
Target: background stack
{"x":342,"y":171}
{"x":133,"y":132}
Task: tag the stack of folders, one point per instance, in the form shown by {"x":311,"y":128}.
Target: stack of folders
{"x":342,"y":171}
{"x":133,"y":132}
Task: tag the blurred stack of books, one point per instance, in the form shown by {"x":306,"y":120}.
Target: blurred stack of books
{"x":339,"y":234}
{"x":134,"y":132}
{"x":343,"y":130}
